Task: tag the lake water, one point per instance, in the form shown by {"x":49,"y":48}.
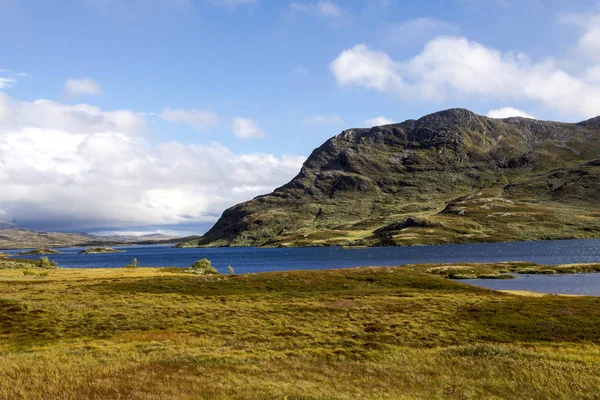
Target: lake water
{"x":250,"y":259}
{"x":582,"y":284}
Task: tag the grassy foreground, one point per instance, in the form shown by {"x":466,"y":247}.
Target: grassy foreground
{"x":364,"y":333}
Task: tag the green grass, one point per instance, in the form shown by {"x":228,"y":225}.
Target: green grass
{"x":373,"y":333}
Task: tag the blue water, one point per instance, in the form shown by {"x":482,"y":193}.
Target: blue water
{"x":250,"y":259}
{"x":581,"y":284}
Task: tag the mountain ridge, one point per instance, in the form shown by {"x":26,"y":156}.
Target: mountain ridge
{"x":364,"y":179}
{"x":23,"y":238}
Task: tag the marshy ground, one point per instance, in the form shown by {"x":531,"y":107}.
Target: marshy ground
{"x":368,"y":333}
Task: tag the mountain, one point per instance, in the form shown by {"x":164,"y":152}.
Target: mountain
{"x":449,"y":177}
{"x":14,"y":238}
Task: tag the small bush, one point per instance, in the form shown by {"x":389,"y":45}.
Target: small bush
{"x":203,"y":267}
{"x":230,"y":270}
{"x":132,"y":264}
{"x":45,"y":263}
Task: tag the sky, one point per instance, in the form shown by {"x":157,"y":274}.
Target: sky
{"x":144,"y":116}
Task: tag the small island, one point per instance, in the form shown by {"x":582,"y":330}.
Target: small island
{"x":38,"y":252}
{"x":100,"y":250}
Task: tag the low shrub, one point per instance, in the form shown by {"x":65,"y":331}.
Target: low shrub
{"x":203,"y":267}
{"x":45,"y":263}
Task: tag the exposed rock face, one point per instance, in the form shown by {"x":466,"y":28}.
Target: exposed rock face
{"x":365,"y":179}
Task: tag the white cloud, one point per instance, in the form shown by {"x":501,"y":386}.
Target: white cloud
{"x":588,"y":44}
{"x":507,"y":112}
{"x":81,"y":87}
{"x":325,"y":9}
{"x":456,"y":67}
{"x":84,"y":167}
{"x":232,"y":4}
{"x":378,"y":121}
{"x":245,"y":128}
{"x":196,"y":119}
{"x":8,"y":78}
{"x":364,"y":67}
{"x":75,"y":119}
{"x":6,"y":82}
{"x":592,"y":74}
{"x":319,"y":120}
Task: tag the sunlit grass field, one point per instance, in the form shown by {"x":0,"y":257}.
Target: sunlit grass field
{"x":363,"y":333}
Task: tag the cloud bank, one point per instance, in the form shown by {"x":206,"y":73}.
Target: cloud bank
{"x":81,"y":166}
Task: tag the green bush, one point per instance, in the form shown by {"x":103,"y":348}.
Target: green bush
{"x":230,"y":270}
{"x":45,"y":263}
{"x":203,"y":267}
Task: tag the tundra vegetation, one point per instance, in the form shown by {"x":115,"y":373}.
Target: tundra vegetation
{"x":368,"y":333}
{"x":38,"y":252}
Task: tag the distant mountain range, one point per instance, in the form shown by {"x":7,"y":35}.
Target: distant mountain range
{"x":449,"y":177}
{"x":14,"y":238}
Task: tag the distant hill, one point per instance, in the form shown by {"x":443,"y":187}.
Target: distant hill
{"x":27,"y":238}
{"x":449,"y":177}
{"x":6,"y":225}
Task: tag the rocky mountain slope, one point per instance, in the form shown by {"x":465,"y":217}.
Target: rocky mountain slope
{"x":449,"y":177}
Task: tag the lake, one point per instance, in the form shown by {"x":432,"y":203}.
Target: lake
{"x":581,"y":284}
{"x":251,"y":259}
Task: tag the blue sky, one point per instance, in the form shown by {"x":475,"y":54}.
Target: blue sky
{"x":204,"y":103}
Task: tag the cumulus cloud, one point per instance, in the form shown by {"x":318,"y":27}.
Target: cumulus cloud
{"x":507,"y":112}
{"x":320,"y":120}
{"x":378,"y":121}
{"x":370,"y":69}
{"x":84,"y":167}
{"x":81,"y":87}
{"x":245,"y":128}
{"x":196,"y":119}
{"x":456,"y":67}
{"x":325,"y":9}
{"x":74,"y":119}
